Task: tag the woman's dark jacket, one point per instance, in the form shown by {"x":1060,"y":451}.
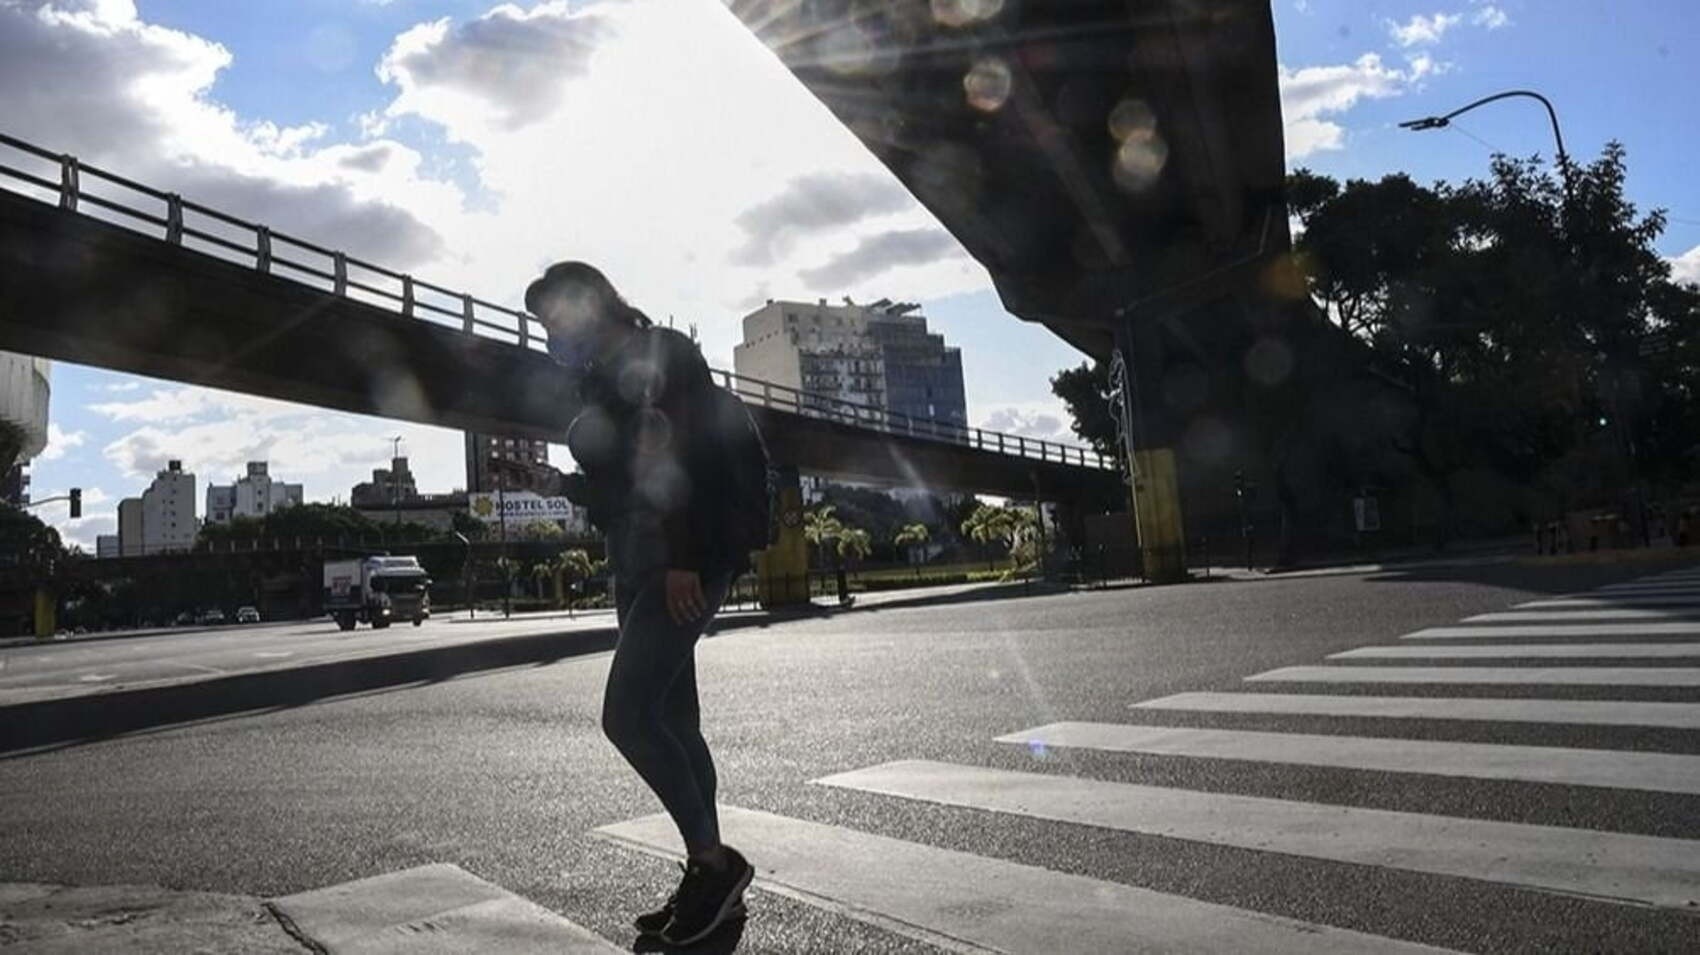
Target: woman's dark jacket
{"x":645,"y":440}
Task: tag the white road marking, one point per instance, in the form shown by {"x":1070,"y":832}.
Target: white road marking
{"x":1563,"y":616}
{"x":274,"y":654}
{"x":1520,"y":651}
{"x":969,"y":903}
{"x":1643,"y":869}
{"x":1496,"y":676}
{"x":1635,"y":600}
{"x":1670,"y":588}
{"x":436,"y":908}
{"x":1686,"y":628}
{"x":1601,"y":712}
{"x":96,"y":677}
{"x":1654,"y":772}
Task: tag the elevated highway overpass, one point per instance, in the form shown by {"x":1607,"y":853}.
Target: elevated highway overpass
{"x":98,"y":270}
{"x":1118,"y":167}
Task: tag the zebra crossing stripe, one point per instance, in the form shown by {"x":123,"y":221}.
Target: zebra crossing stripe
{"x":968,"y":903}
{"x":1670,"y":588}
{"x":1493,"y":676}
{"x":1562,"y":616}
{"x":1519,"y":651}
{"x":1660,"y":628}
{"x":1635,"y":868}
{"x":1587,"y":712}
{"x":1653,"y":772}
{"x":1632,"y":600}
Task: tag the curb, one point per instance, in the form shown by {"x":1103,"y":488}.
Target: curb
{"x":99,"y":715}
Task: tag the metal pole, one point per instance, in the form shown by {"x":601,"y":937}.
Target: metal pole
{"x":507,"y":572}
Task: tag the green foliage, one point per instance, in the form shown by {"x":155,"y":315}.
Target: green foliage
{"x":1518,"y":313}
{"x":854,"y":544}
{"x":28,"y":544}
{"x":1085,"y":390}
{"x":1015,"y":528}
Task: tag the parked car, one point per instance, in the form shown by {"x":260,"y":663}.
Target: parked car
{"x":247,"y":615}
{"x":212,"y":616}
{"x":184,"y":619}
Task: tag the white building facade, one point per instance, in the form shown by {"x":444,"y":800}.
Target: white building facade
{"x":162,"y":520}
{"x":254,"y":494}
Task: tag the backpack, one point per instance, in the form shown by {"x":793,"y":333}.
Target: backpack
{"x":751,"y":510}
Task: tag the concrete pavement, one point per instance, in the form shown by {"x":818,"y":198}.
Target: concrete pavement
{"x":848,"y":743}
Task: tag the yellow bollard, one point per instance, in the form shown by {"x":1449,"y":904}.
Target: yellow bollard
{"x":46,"y":614}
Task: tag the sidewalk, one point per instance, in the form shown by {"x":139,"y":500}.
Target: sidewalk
{"x":38,"y":919}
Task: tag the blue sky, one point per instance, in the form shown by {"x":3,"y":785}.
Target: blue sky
{"x":497,"y":180}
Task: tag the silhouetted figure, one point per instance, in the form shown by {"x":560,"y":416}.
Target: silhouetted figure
{"x":668,"y":460}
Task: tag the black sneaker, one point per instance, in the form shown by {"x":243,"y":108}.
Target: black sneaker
{"x":651,"y":923}
{"x":707,"y":898}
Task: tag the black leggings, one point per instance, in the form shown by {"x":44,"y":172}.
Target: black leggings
{"x":650,"y":710}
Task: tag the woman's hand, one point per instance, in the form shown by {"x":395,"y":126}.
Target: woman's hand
{"x":685,"y":600}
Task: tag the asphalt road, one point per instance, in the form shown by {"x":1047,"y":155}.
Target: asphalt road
{"x":506,"y":773}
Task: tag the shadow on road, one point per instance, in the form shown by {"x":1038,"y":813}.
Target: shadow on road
{"x":724,"y":941}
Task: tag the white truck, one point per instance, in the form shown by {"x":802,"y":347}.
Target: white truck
{"x":377,"y":590}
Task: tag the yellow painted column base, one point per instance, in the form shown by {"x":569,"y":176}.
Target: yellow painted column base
{"x":782,"y":571}
{"x":1157,"y":515}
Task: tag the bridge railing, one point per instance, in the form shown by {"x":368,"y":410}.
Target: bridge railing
{"x":78,"y":187}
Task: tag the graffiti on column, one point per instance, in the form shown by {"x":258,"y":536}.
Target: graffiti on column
{"x":1121,"y":403}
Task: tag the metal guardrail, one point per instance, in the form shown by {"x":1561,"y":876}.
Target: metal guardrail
{"x":77,"y":187}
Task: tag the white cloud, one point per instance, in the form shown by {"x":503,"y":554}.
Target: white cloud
{"x":875,"y":255}
{"x":813,"y":204}
{"x":1423,"y":30}
{"x":60,"y":441}
{"x":1686,"y":267}
{"x":1311,"y":94}
{"x":1490,"y":17}
{"x":135,"y":97}
{"x":1047,"y":420}
{"x":516,"y":62}
{"x":216,"y":433}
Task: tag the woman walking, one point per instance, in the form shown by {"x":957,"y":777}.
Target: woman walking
{"x":656,"y":479}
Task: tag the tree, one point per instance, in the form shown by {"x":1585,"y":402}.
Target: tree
{"x":573,"y":565}
{"x":854,"y":544}
{"x":28,"y":544}
{"x":1014,"y":528}
{"x":1527,"y":317}
{"x":821,"y":528}
{"x":912,"y":537}
{"x":1085,"y":390}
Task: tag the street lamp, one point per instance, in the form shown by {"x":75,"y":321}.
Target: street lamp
{"x":1441,"y":122}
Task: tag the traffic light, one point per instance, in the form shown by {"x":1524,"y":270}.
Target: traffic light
{"x":1239,"y":483}
{"x":76,"y":502}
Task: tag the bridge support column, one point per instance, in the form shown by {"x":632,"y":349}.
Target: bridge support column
{"x":1150,"y":459}
{"x":782,"y":571}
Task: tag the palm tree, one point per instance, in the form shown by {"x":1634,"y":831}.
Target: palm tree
{"x":573,"y":565}
{"x":820,"y":527}
{"x":541,"y":572}
{"x":910,"y":537}
{"x":855,"y":543}
{"x":1013,"y":527}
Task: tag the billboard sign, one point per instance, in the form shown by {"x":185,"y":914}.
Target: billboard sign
{"x":520,"y":507}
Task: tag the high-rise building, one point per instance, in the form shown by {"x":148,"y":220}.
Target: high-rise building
{"x":388,"y":487}
{"x":254,"y":494}
{"x":24,"y":394}
{"x":162,"y":520}
{"x":480,"y":448}
{"x":106,"y":545}
{"x":879,"y":354}
{"x":130,"y":527}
